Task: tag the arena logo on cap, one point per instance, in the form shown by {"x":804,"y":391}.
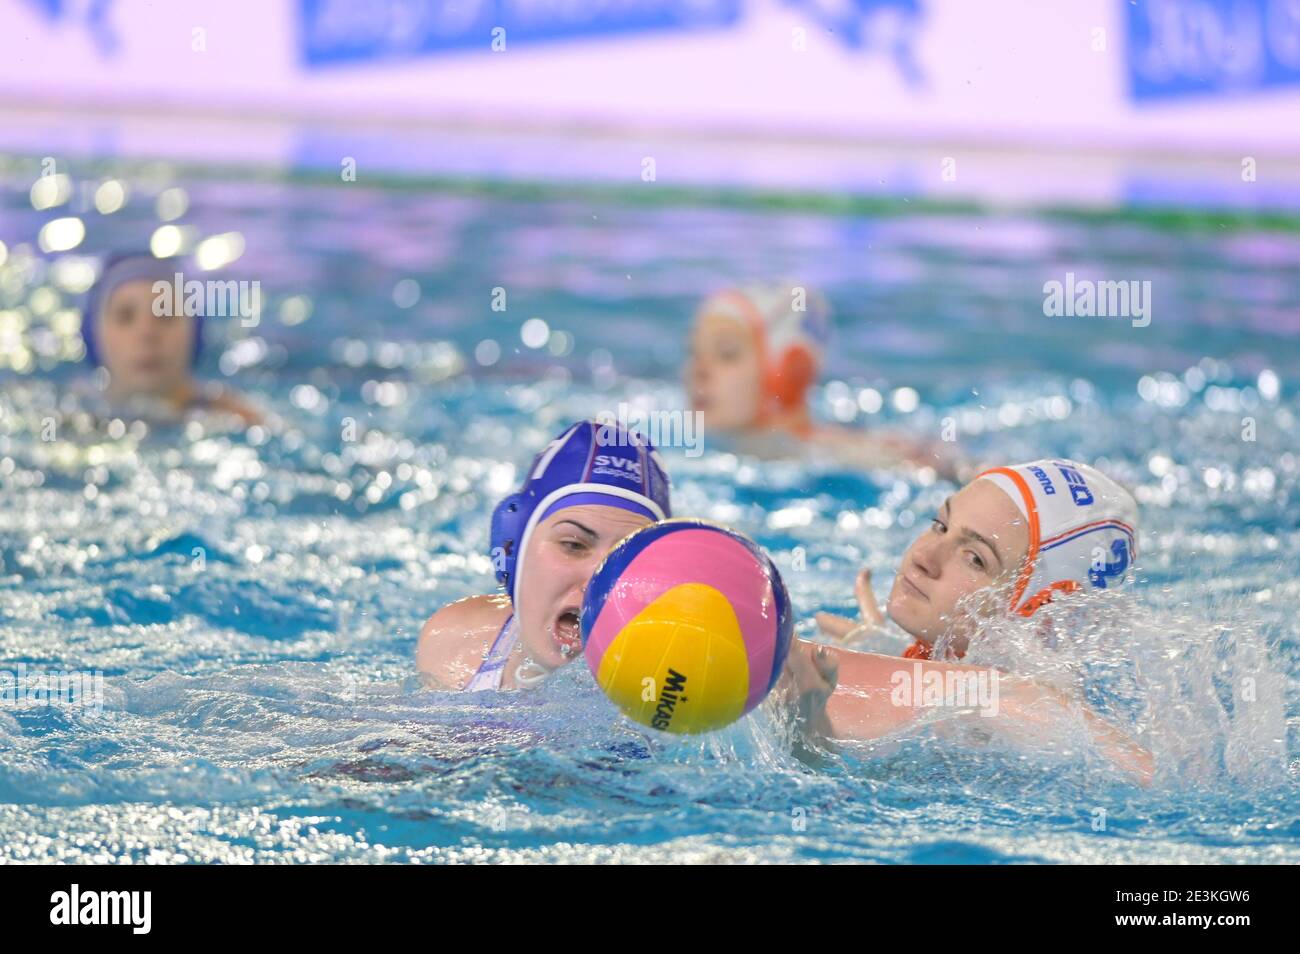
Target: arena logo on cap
{"x":1044,"y":480}
{"x":676,"y":428}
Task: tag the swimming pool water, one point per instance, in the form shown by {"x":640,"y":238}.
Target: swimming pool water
{"x":253,"y":599}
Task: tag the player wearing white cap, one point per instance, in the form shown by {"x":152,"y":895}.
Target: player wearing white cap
{"x":754,"y":354}
{"x":1007,"y":543}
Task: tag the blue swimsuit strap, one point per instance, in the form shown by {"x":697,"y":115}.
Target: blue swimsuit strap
{"x":494,"y":664}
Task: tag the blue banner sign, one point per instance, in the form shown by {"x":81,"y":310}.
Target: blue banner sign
{"x":1182,"y":48}
{"x":339,"y":31}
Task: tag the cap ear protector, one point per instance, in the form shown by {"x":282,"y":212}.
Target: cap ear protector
{"x":508,"y":519}
{"x":789,"y":378}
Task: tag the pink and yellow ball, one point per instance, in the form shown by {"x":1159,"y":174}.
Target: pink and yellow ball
{"x":686,"y":625}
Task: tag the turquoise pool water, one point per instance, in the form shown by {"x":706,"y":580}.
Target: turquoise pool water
{"x":252,"y":600}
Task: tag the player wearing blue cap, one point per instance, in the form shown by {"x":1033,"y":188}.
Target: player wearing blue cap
{"x":148,"y":344}
{"x":590,"y":487}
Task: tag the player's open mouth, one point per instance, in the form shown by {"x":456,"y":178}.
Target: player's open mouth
{"x":568,"y":632}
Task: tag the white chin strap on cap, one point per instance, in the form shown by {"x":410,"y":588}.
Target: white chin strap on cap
{"x":1082,"y":529}
{"x":530,"y":674}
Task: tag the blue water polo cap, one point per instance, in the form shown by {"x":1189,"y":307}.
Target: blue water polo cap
{"x":117,"y":271}
{"x":590,"y":463}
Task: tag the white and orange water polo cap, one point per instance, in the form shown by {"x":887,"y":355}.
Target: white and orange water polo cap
{"x":1082,"y":529}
